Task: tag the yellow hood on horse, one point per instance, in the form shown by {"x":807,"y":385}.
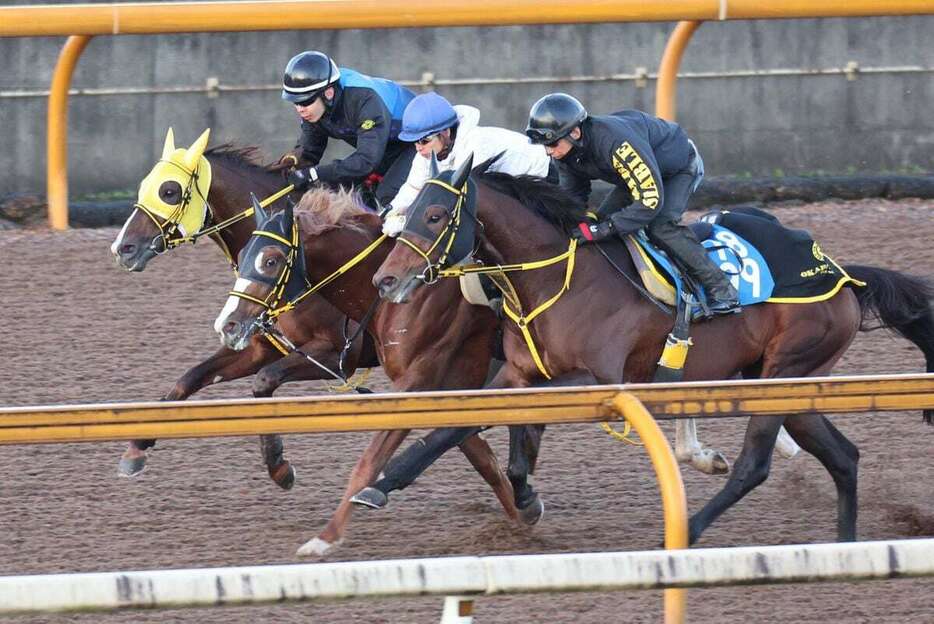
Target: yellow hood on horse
{"x":192,"y":172}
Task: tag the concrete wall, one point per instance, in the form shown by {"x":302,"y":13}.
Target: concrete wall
{"x":750,"y":125}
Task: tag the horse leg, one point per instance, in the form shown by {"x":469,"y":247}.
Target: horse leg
{"x":380,"y":449}
{"x":786,"y":445}
{"x":839,"y":456}
{"x":293,"y":367}
{"x":751,"y":469}
{"x":224,"y":365}
{"x":524,"y":445}
{"x":483,"y":459}
{"x":403,"y":469}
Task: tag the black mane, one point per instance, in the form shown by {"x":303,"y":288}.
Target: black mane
{"x":547,"y":200}
{"x":238,"y":155}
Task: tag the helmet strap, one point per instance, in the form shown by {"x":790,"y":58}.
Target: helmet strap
{"x":578,"y":143}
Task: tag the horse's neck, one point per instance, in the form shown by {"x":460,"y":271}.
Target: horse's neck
{"x":230,"y":196}
{"x":514,"y":234}
{"x":353,"y":292}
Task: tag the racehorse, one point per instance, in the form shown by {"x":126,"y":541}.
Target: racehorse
{"x":189,"y":193}
{"x":441,"y":342}
{"x":598,"y":328}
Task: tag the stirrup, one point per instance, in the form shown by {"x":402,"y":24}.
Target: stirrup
{"x":717,"y":308}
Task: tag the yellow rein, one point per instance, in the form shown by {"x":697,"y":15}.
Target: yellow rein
{"x":520,"y":319}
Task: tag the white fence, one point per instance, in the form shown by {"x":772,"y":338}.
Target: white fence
{"x":466,"y":576}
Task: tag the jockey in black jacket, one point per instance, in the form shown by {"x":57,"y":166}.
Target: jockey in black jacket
{"x":343,"y":104}
{"x":655,"y":168}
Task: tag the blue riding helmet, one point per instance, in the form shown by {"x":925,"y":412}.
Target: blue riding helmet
{"x":426,"y":114}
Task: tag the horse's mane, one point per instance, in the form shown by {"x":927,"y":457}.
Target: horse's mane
{"x":321,"y":209}
{"x":549,"y":201}
{"x":238,"y":155}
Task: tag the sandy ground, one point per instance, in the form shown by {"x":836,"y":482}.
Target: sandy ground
{"x":77,"y":330}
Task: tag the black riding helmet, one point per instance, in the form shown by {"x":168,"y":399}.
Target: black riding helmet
{"x":553,"y":117}
{"x":307,"y":75}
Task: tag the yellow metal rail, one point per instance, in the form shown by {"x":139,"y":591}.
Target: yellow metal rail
{"x":74,"y":423}
{"x":183,"y":419}
{"x":177,"y":17}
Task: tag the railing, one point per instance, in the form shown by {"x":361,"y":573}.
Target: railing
{"x":461,"y":578}
{"x":484,"y":407}
{"x":84,"y":21}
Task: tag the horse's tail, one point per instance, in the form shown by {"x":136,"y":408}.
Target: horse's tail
{"x":898,"y":302}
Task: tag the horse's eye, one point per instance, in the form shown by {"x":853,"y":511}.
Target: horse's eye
{"x":170,"y":192}
{"x":434,"y":218}
{"x":271,"y":262}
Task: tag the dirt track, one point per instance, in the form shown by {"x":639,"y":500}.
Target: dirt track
{"x":77,"y":330}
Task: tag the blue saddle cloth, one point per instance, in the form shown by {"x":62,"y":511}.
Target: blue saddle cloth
{"x":764,"y":260}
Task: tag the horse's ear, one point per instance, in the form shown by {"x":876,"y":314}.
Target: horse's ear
{"x":169,"y":146}
{"x":433,"y":167}
{"x":259,"y":213}
{"x":193,"y":154}
{"x":462,"y":173}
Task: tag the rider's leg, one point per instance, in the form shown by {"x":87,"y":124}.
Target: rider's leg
{"x":680,"y":242}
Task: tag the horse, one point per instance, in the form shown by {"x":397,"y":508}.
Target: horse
{"x":196,"y":191}
{"x":321,"y":241}
{"x":598,"y":328}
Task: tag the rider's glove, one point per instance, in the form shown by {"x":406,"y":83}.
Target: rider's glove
{"x":590,"y":232}
{"x":393,"y":224}
{"x":301,"y":179}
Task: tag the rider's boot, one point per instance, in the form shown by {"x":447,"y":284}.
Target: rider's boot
{"x":681,"y":242}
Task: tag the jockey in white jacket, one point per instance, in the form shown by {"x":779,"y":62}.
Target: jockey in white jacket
{"x":452,"y":133}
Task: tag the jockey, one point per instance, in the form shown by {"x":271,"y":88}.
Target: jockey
{"x":452,"y":133}
{"x":655,"y":168}
{"x":362,"y":111}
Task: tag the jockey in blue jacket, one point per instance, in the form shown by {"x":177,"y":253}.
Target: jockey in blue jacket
{"x":344,"y":104}
{"x":654,"y":167}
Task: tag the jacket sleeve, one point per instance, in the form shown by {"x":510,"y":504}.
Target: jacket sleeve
{"x":313,"y":143}
{"x":638,"y":171}
{"x":576,"y":185}
{"x":418,"y":174}
{"x":373,"y":125}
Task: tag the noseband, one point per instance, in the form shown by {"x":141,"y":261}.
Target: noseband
{"x":432,"y":271}
{"x":169,"y":236}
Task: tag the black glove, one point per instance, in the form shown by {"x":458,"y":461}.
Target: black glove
{"x":301,"y":179}
{"x":590,"y":232}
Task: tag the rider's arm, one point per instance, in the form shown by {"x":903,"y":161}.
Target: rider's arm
{"x":372,"y":122}
{"x":313,"y":142}
{"x":576,"y":185}
{"x":418,"y":174}
{"x":639,"y":178}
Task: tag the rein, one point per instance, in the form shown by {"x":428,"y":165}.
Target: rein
{"x":272,"y":304}
{"x":169,"y":235}
{"x":511,"y":305}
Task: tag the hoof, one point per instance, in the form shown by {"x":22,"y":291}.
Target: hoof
{"x":131,"y":466}
{"x":370,"y":497}
{"x":283,"y":475}
{"x":531,"y":514}
{"x":711,"y":462}
{"x":316,"y":547}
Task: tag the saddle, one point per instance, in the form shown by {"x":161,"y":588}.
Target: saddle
{"x":766,"y":261}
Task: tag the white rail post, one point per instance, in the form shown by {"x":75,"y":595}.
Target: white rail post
{"x":457,"y":610}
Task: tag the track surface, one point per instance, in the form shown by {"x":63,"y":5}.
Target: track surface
{"x":77,"y":330}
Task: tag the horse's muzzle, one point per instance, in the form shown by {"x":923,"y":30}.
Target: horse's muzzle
{"x":133,"y":257}
{"x":236,"y":335}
